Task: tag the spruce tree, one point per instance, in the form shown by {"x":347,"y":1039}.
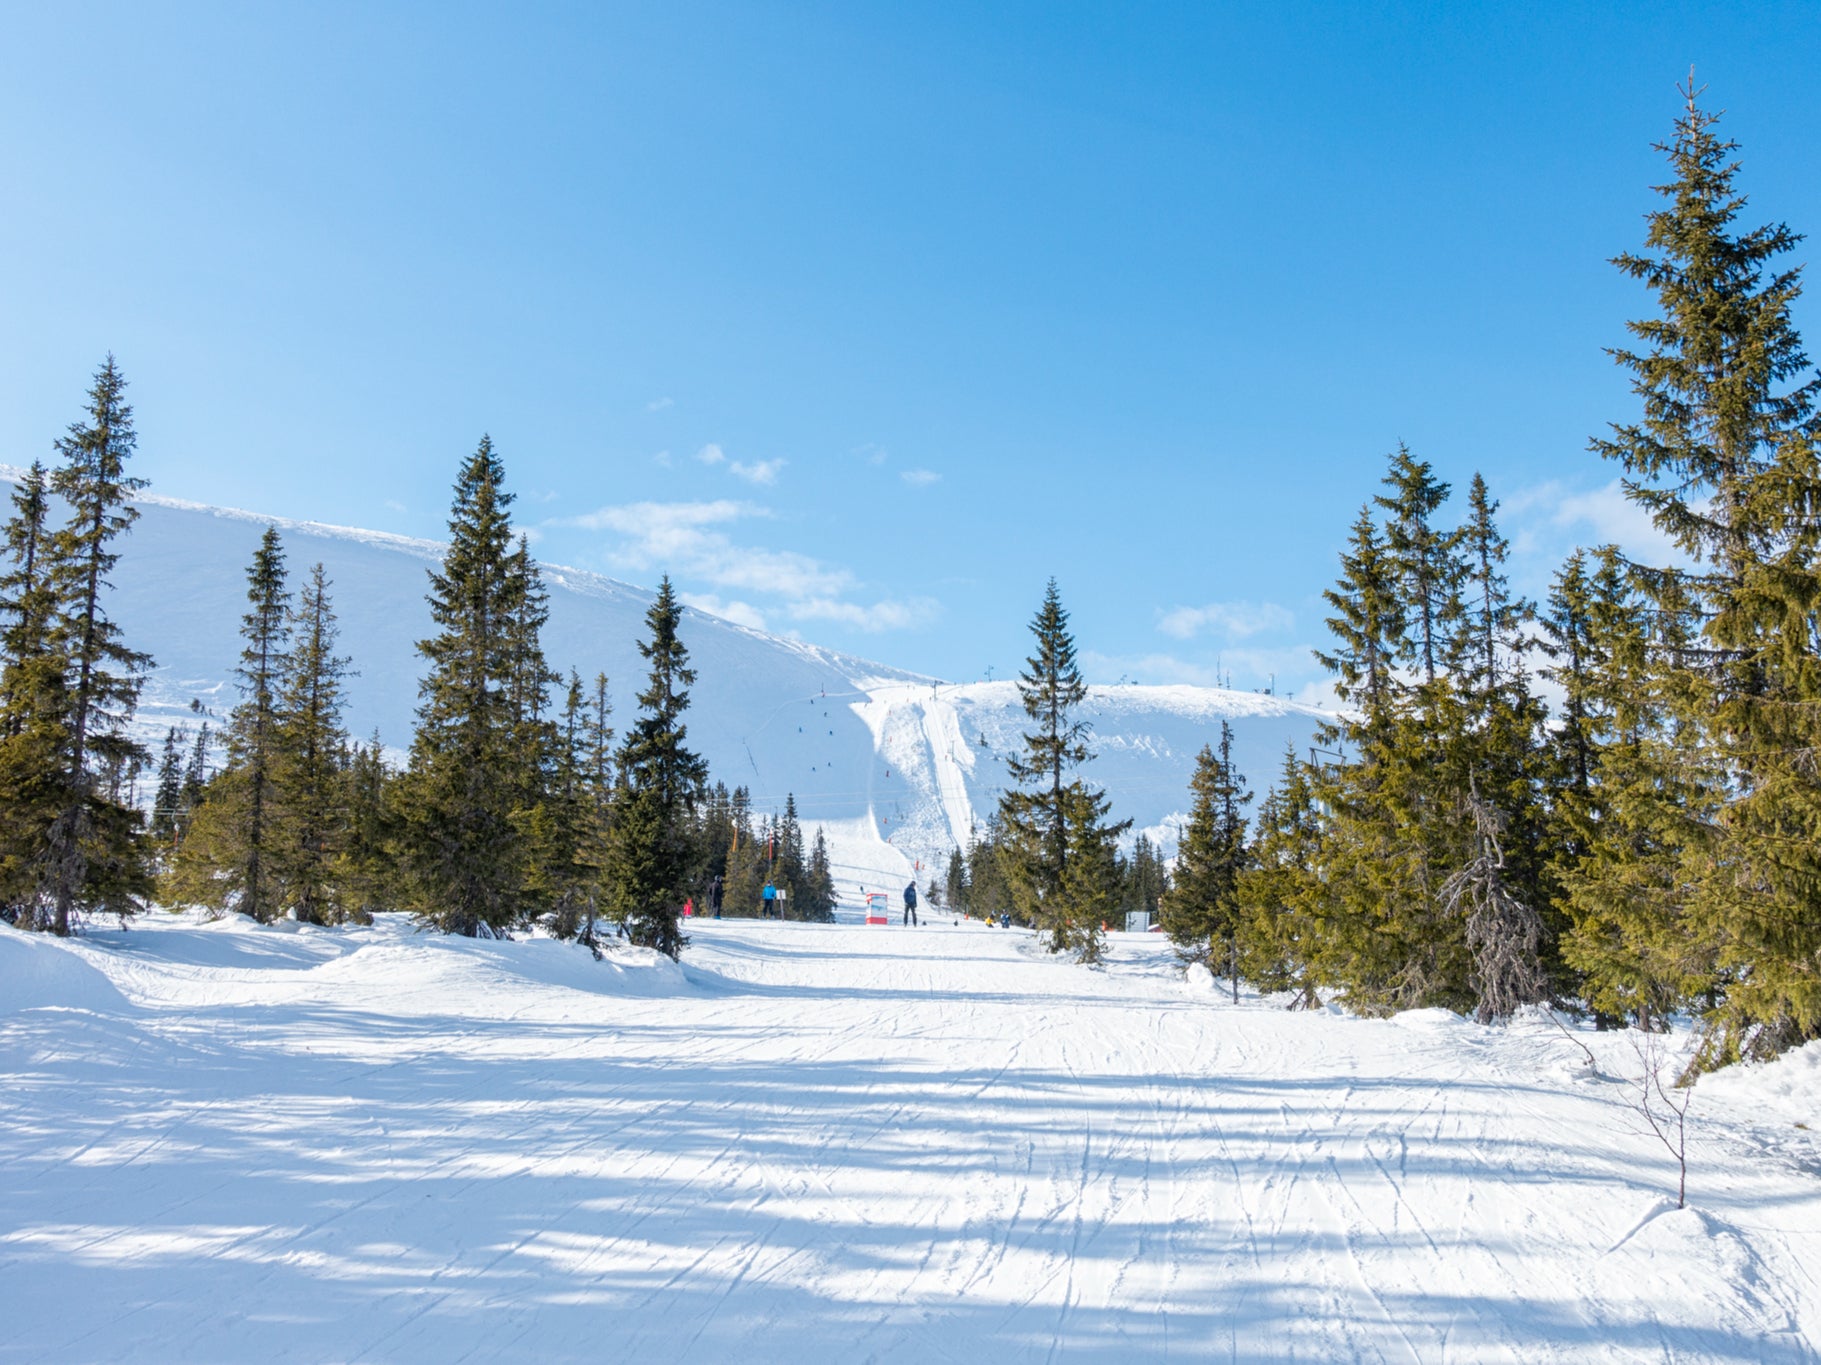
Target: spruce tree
{"x":649,"y":853}
{"x":167,"y":802}
{"x":818,"y":895}
{"x":1397,"y":797}
{"x":1724,"y":460}
{"x":458,"y":844}
{"x":1425,"y":558}
{"x":1628,"y":836}
{"x":231,"y":859}
{"x":309,"y":760}
{"x":791,"y":870}
{"x":1280,"y":893}
{"x":34,"y":707}
{"x":559,"y":854}
{"x":1051,"y":819}
{"x":1201,"y":911}
{"x":365,"y":871}
{"x":28,"y":598}
{"x":1368,"y":625}
{"x":960,"y":895}
{"x":94,"y":845}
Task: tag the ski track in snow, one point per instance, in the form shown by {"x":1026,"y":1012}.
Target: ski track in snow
{"x":226,"y":1143}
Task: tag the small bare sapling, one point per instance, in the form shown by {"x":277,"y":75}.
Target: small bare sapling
{"x":1664,"y":1107}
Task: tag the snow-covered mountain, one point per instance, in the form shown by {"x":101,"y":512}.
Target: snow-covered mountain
{"x":895,"y":766}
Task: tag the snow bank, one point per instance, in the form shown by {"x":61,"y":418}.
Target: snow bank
{"x":39,"y":972}
{"x":1787,"y":1089}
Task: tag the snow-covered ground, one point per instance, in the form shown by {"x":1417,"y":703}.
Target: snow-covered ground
{"x":226,"y":1143}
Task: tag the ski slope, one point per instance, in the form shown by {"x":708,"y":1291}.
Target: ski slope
{"x":226,"y":1143}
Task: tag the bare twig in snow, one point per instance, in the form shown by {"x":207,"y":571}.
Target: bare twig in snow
{"x":1665,"y":1108}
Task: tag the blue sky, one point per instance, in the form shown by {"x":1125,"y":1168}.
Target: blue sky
{"x":863,"y":320}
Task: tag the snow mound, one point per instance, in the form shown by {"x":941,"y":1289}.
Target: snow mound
{"x":1787,"y":1089}
{"x":38,"y":972}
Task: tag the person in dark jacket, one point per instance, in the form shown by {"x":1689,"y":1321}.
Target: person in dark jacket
{"x":910,"y":904}
{"x":716,"y":889}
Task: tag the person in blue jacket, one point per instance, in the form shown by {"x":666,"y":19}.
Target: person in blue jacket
{"x":910,"y":904}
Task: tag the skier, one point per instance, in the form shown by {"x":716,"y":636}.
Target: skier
{"x":716,"y":890}
{"x":910,"y":904}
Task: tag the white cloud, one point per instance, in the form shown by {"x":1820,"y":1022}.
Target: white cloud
{"x":693,"y":542}
{"x":1320,"y":693}
{"x":874,"y":454}
{"x":395,"y":505}
{"x":920,"y":478}
{"x":711,"y":454}
{"x":1548,"y":520}
{"x":682,"y":537}
{"x":740,"y":613}
{"x":870,"y":617}
{"x":759,"y":471}
{"x":662,"y":458}
{"x":659,"y":404}
{"x":1233,"y":620}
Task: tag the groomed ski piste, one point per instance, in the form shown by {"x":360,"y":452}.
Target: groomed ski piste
{"x":221,"y":1142}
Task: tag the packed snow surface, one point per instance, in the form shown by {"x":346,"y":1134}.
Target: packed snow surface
{"x":226,"y":1143}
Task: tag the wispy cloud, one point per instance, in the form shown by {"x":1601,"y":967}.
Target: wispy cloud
{"x":740,"y":613}
{"x":694,"y":541}
{"x":711,"y":454}
{"x":1548,"y":520}
{"x":872,"y":454}
{"x":758,"y":472}
{"x":871,"y":617}
{"x":659,"y":404}
{"x":920,"y":478}
{"x":662,"y":458}
{"x":1230,"y":620}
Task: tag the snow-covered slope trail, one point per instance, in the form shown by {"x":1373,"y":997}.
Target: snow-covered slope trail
{"x":223,"y":1143}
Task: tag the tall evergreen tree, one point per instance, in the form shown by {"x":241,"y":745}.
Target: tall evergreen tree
{"x":1201,"y":911}
{"x":28,"y":597}
{"x":1724,"y":460}
{"x":231,"y":860}
{"x":456,"y":836}
{"x":1426,"y":559}
{"x":34,"y":705}
{"x":1626,"y":835}
{"x":956,"y":884}
{"x":310,"y":759}
{"x":1368,"y":625}
{"x":167,"y":802}
{"x":818,"y":896}
{"x":792,"y":869}
{"x":1280,"y":893}
{"x":648,"y":873}
{"x":365,"y":872}
{"x":94,"y":846}
{"x":1051,"y":819}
